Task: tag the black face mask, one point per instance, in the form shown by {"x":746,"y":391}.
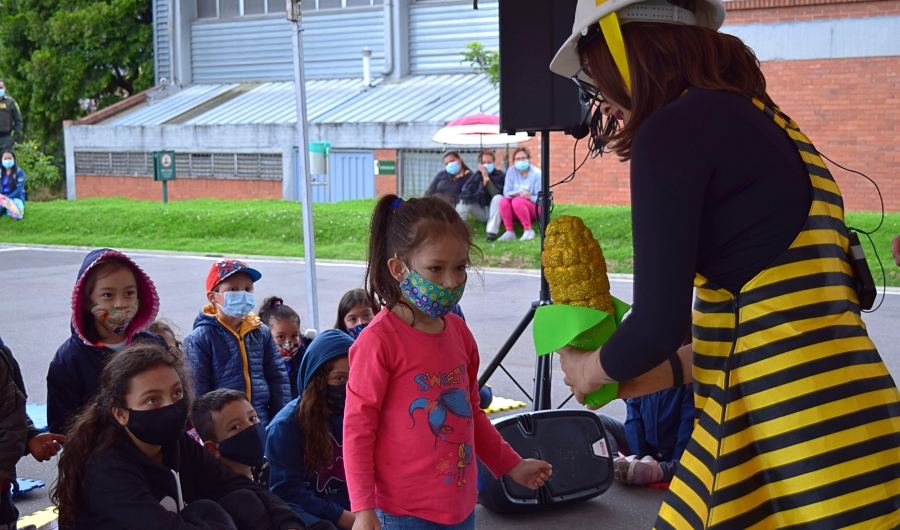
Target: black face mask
{"x":246,"y":447}
{"x":336,"y":397}
{"x":162,"y":426}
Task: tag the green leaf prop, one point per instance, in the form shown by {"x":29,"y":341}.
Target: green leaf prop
{"x":556,"y":326}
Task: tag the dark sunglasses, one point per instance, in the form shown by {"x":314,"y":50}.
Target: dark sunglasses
{"x":588,"y":91}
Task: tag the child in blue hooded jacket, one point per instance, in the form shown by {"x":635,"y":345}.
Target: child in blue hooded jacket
{"x":112,"y":304}
{"x":305,"y":440}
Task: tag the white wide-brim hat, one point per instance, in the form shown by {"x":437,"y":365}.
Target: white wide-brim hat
{"x":710,"y":14}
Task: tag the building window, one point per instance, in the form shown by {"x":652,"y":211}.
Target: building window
{"x":187,"y":165}
{"x":207,"y":9}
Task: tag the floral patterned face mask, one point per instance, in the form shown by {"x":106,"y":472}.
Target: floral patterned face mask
{"x":428,"y":297}
{"x":114,"y":319}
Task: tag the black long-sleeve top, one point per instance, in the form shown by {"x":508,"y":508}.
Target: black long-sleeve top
{"x":717,"y":188}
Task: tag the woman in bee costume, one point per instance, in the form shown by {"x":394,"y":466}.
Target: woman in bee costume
{"x":797,"y":418}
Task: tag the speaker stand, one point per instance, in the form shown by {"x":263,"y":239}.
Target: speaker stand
{"x":542,"y":375}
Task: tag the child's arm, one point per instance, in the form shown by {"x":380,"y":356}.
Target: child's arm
{"x":13,"y":430}
{"x":287,"y":474}
{"x":369,"y":378}
{"x":197,"y":349}
{"x":276,"y":376}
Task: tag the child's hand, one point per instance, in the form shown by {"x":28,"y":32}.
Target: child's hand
{"x":531,"y":473}
{"x":45,"y":446}
{"x":366,"y":520}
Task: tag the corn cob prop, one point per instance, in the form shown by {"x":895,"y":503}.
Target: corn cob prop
{"x":583,"y":314}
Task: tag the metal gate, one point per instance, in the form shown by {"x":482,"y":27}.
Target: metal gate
{"x":418,"y":168}
{"x":351,"y":176}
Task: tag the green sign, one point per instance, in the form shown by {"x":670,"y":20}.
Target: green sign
{"x":164,"y":165}
{"x":386,"y":167}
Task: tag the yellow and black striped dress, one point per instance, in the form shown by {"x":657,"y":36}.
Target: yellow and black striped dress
{"x":798,"y":420}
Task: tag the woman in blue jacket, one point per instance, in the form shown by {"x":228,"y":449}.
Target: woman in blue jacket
{"x":304,"y":444}
{"x":12,"y":186}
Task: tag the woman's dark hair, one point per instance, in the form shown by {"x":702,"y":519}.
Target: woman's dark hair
{"x":274,"y":308}
{"x":665,"y":60}
{"x":313,"y":415}
{"x":351,"y":299}
{"x":100,"y":270}
{"x":13,"y":171}
{"x":398,"y":229}
{"x":95,"y":428}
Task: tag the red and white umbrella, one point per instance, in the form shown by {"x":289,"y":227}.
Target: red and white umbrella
{"x":477,"y":129}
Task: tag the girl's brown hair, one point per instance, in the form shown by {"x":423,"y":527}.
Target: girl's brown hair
{"x":95,"y":428}
{"x":351,"y":299}
{"x":313,"y":415}
{"x":399,"y":228}
{"x":665,"y":60}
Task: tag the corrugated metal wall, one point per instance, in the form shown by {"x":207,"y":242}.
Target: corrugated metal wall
{"x":260,"y":48}
{"x":439,"y":32}
{"x":161,"y":47}
{"x":352,"y":177}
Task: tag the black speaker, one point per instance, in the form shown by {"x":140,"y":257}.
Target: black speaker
{"x":574,"y":442}
{"x":532,"y":98}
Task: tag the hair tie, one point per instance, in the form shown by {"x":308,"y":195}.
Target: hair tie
{"x":397,"y":202}
{"x":277,"y":303}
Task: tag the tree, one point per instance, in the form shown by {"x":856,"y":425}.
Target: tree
{"x":62,"y":59}
{"x":483,"y":61}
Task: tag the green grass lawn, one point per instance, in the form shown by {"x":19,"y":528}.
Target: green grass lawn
{"x":273,"y":228}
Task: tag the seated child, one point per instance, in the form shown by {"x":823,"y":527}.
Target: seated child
{"x":354,"y":312}
{"x":306,"y":438}
{"x":657,"y":430}
{"x":284,"y":323}
{"x":128,"y":464}
{"x":165,"y":329}
{"x":18,"y":435}
{"x":230,"y":429}
{"x":112,"y":304}
{"x":230,"y":347}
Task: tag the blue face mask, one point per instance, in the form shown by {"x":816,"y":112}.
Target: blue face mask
{"x":453,"y":168}
{"x":523,"y":165}
{"x":238,"y":303}
{"x":489,"y":168}
{"x":354,"y":332}
{"x":2,"y":92}
{"x":428,"y":297}
{"x":9,"y":163}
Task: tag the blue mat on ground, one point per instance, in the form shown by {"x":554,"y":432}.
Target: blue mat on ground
{"x":26,"y":485}
{"x":38,"y":414}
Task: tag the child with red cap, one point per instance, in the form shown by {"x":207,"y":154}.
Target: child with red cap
{"x":230,"y":347}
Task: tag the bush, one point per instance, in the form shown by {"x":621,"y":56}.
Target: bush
{"x":40,"y":172}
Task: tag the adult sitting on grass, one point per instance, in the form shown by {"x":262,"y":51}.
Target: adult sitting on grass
{"x":448,"y":184}
{"x":520,"y":195}
{"x":481,"y":196}
{"x":12,"y":186}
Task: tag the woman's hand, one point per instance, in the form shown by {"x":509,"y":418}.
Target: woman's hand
{"x":44,"y":446}
{"x":366,"y":520}
{"x":346,"y":521}
{"x":584,"y":374}
{"x":526,"y":194}
{"x":531,"y":473}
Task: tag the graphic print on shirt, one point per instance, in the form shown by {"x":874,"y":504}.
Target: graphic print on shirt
{"x":333,"y":472}
{"x":449,"y":417}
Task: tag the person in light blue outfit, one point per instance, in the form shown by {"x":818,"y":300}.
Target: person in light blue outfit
{"x":520,"y":195}
{"x":12,"y":186}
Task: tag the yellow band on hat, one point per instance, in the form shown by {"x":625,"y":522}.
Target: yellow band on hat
{"x":612,"y":32}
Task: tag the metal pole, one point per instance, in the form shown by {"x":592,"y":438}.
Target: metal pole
{"x":303,"y":183}
{"x":543,"y":370}
{"x":165,"y":192}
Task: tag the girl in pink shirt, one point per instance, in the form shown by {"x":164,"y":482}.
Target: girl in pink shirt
{"x":412,"y":425}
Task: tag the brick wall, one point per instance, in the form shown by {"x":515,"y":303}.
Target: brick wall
{"x":146,"y":188}
{"x":850,"y":108}
{"x":385,"y":184}
{"x":811,"y":12}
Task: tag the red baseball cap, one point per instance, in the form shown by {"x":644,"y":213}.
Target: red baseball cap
{"x":226,"y":267}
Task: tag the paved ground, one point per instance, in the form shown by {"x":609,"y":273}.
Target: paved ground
{"x":38,"y":283}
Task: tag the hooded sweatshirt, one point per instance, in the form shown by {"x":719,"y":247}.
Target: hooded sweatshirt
{"x":74,"y":374}
{"x":124,"y":488}
{"x":246,"y":360}
{"x":323,"y":495}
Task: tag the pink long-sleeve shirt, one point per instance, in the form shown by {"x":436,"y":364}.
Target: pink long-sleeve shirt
{"x":412,"y":425}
